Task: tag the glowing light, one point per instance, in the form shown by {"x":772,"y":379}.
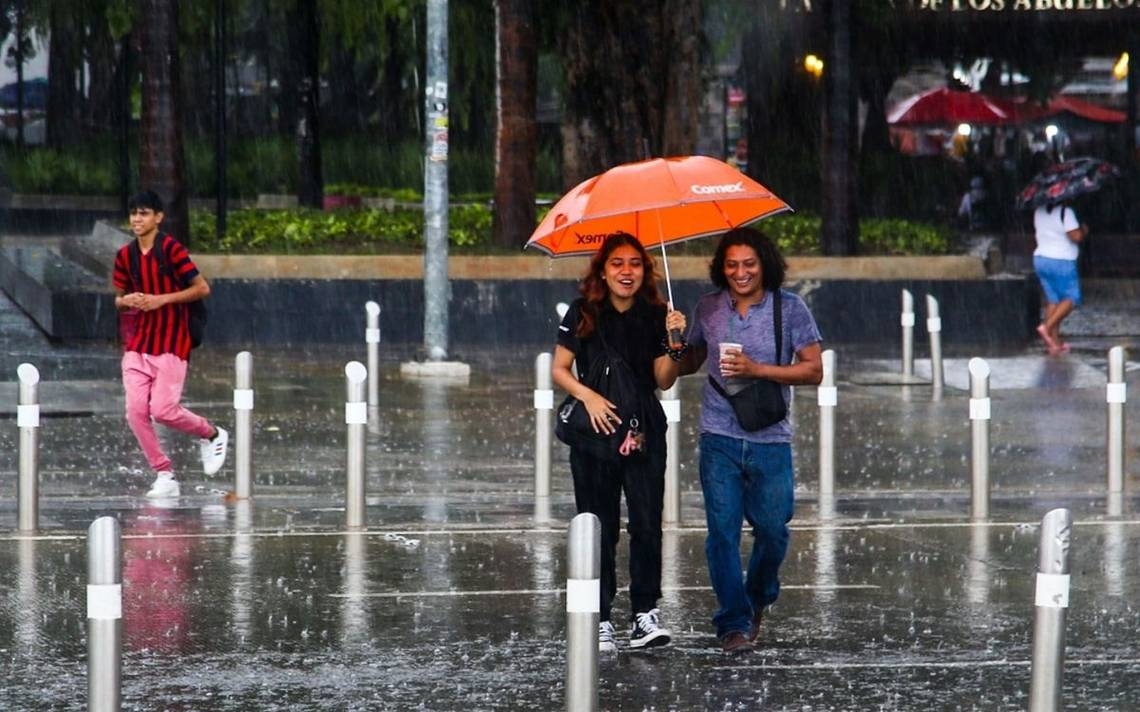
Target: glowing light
{"x":964,"y":129}
{"x":1050,"y":131}
{"x":1120,"y":69}
{"x":813,"y":65}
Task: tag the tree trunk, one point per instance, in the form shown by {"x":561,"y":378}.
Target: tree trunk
{"x":516,"y":137}
{"x":305,"y":36}
{"x":625,"y":63}
{"x":162,"y":164}
{"x":63,"y":65}
{"x":840,"y":228}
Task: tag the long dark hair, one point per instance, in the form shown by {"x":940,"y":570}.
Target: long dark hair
{"x":593,"y":288}
{"x":772,"y":264}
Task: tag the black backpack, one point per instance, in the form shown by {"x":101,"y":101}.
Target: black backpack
{"x":198,"y":314}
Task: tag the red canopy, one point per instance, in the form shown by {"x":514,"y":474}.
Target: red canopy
{"x":945,"y":106}
{"x":1067,"y":104}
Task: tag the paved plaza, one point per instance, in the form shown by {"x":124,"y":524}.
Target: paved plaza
{"x":453,"y":597}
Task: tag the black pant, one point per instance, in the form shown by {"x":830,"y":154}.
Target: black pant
{"x":597,"y":489}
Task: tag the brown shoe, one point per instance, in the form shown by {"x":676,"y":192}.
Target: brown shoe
{"x":735,"y":642}
{"x":754,"y":629}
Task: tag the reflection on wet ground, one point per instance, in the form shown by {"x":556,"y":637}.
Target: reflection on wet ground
{"x":452,"y":599}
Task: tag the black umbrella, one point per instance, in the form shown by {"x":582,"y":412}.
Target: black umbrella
{"x":1065,"y":181}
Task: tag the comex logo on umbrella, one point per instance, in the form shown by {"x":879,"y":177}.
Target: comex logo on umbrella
{"x":697,"y":189}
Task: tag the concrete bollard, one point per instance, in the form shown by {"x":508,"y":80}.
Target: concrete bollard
{"x":1116,"y":396}
{"x":372,"y":338}
{"x":907,"y":321}
{"x":104,"y":615}
{"x":243,"y":425}
{"x":671,"y":404}
{"x":828,"y":396}
{"x":934,"y":328}
{"x":356,"y":420}
{"x":583,"y":605}
{"x":979,"y":438}
{"x":543,"y":435}
{"x":28,"y":421}
{"x":1052,"y":598}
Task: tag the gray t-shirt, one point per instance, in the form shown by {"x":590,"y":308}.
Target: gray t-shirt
{"x":715,"y":320}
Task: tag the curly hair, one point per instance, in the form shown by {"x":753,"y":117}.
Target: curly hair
{"x":594,"y":290}
{"x":772,"y":264}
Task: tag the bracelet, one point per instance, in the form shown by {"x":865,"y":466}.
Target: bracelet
{"x":675,"y":353}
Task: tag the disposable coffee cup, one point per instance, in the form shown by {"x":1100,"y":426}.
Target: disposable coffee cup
{"x":726,"y":346}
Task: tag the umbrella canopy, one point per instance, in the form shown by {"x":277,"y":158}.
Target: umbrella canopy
{"x":945,"y":106}
{"x":660,"y":201}
{"x":1066,"y":104}
{"x":1065,"y":181}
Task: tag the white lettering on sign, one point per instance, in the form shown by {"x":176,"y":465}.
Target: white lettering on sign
{"x":737,"y":187}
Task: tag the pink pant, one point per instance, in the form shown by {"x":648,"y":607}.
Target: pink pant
{"x":153,"y":386}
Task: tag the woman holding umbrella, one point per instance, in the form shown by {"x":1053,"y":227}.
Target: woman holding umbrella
{"x":1058,"y":233}
{"x":620,"y":310}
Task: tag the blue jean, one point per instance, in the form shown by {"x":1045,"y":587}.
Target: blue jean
{"x":743,"y":480}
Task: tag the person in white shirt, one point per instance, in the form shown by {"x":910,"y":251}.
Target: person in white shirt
{"x":1058,"y":233}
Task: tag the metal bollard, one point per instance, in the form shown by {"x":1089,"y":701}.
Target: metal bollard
{"x":1052,"y":598}
{"x":543,"y":434}
{"x":372,"y":338}
{"x":828,"y":396}
{"x":356,"y":418}
{"x":671,"y":404}
{"x":28,"y":421}
{"x":907,"y":321}
{"x":243,"y":426}
{"x":979,"y":439}
{"x":104,"y":615}
{"x":934,"y":327}
{"x":583,"y":605}
{"x":1116,"y":397}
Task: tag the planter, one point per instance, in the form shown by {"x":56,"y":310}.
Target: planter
{"x":341,"y":202}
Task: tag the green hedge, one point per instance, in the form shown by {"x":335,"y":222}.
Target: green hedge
{"x":376,"y":231}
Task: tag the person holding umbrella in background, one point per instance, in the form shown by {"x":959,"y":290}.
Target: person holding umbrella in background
{"x":621,"y":310}
{"x":1058,"y":233}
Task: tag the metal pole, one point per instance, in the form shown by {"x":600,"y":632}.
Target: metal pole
{"x":28,"y":421}
{"x":828,"y":396}
{"x":104,"y":615}
{"x":671,"y":404}
{"x":1052,"y":598}
{"x":243,"y":428}
{"x":1116,"y":397}
{"x":543,"y":434}
{"x":436,"y":287}
{"x":583,"y":604}
{"x":907,"y":321}
{"x":220,"y":115}
{"x":356,"y":418}
{"x":372,"y":338}
{"x":979,"y":439}
{"x":934,"y":327}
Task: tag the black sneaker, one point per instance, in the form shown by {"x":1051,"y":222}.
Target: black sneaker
{"x":647,"y":631}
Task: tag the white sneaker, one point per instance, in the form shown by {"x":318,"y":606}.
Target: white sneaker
{"x":647,"y":631}
{"x":164,"y":486}
{"x":606,"y":642}
{"x":214,"y":451}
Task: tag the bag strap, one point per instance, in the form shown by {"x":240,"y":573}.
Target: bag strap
{"x":777,"y":324}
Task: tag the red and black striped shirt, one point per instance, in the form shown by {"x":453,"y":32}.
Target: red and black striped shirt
{"x":164,"y":330}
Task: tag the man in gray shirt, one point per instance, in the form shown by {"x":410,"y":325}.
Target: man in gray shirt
{"x":747,"y":475}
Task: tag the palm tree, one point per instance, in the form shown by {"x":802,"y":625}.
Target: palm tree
{"x":516,"y":130}
{"x":162,"y":163}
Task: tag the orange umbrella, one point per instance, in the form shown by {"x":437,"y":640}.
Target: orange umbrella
{"x":660,"y":201}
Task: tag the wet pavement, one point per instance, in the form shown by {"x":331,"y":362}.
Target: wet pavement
{"x":453,"y":596}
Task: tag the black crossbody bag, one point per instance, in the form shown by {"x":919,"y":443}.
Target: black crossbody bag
{"x":761,"y":403}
